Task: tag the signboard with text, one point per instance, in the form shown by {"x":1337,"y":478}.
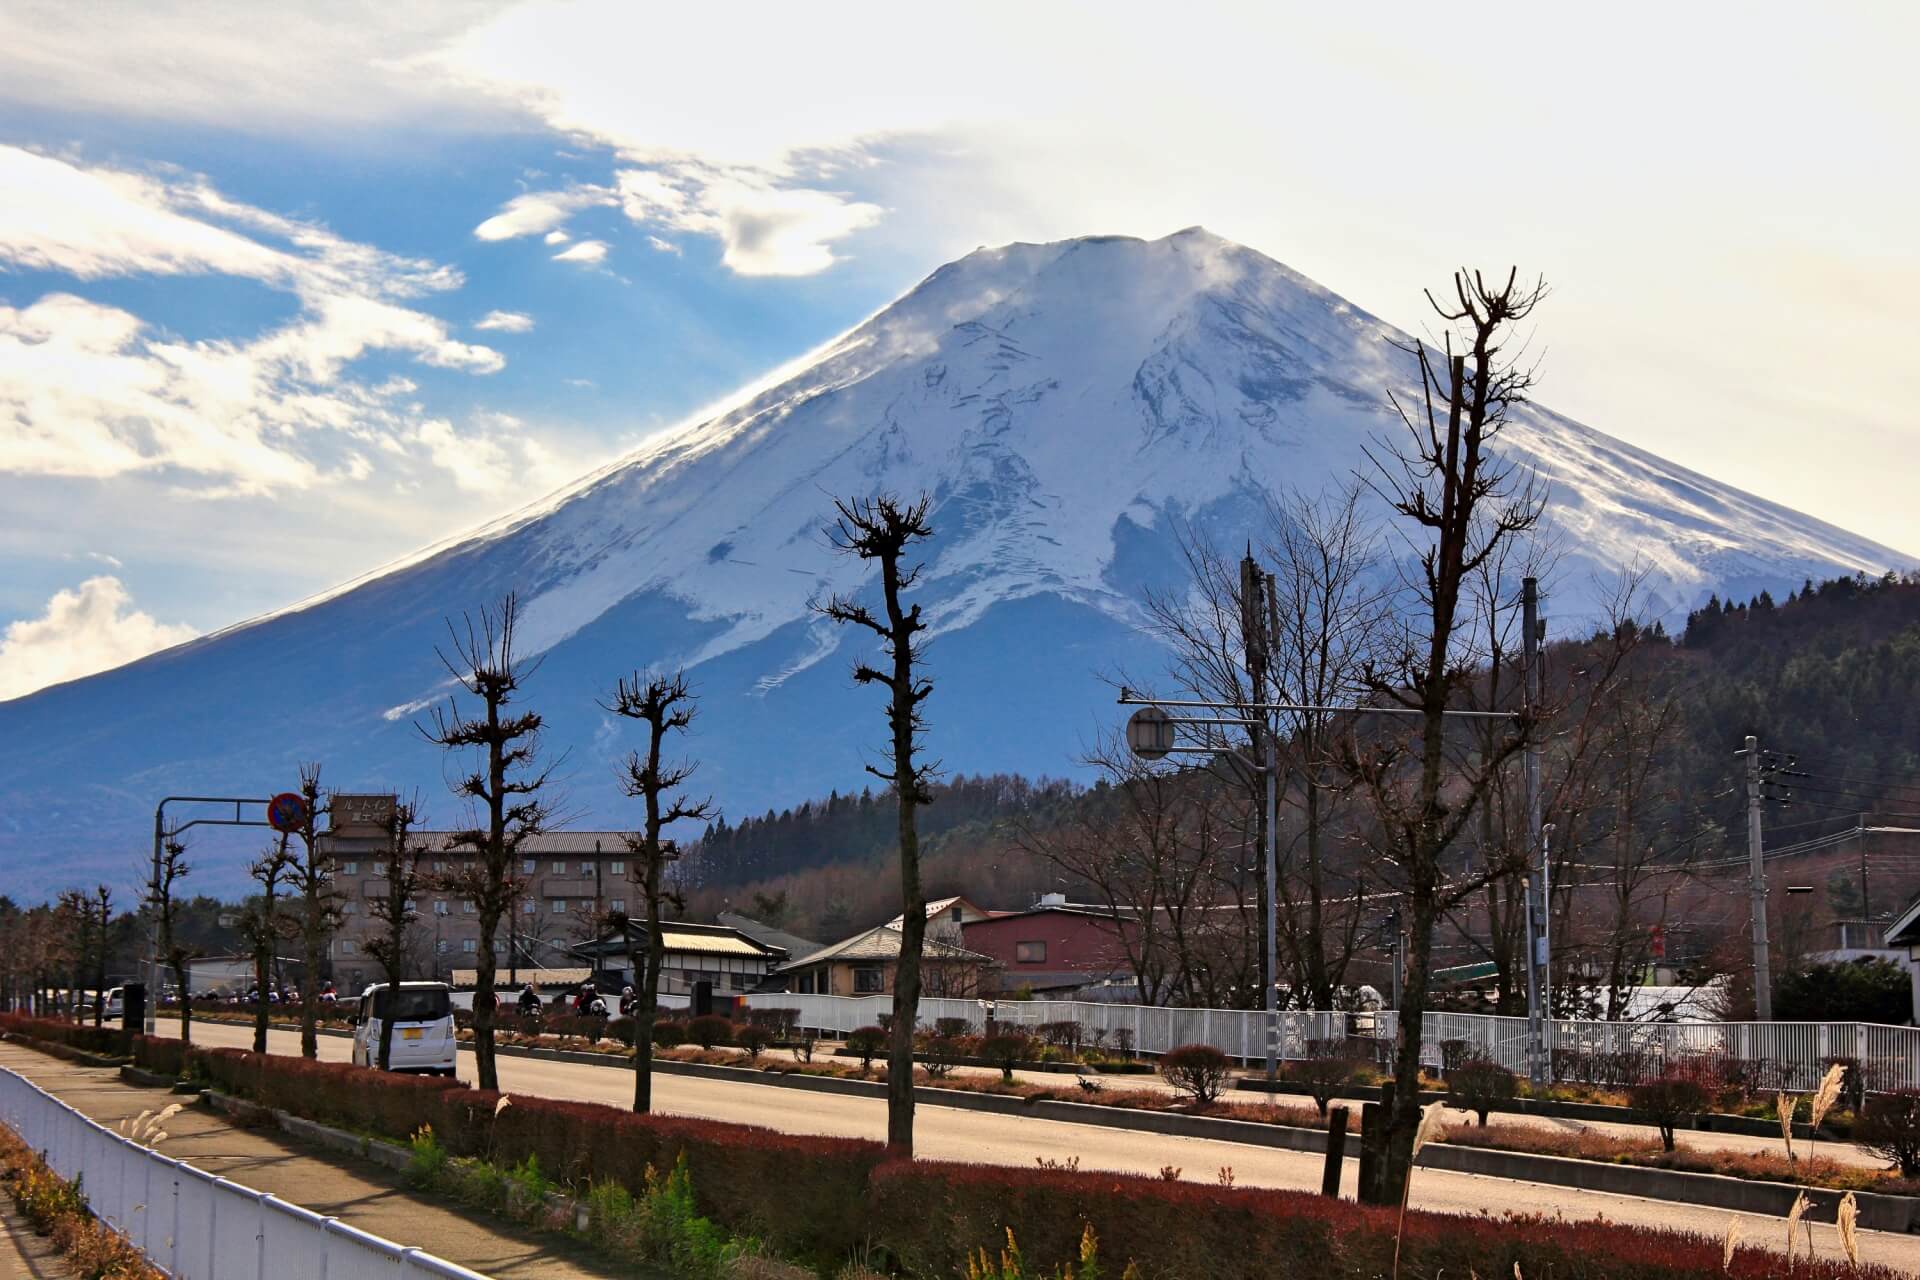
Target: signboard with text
{"x":365,"y":815}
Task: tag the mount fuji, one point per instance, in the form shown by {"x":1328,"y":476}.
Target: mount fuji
{"x":1065,"y":405}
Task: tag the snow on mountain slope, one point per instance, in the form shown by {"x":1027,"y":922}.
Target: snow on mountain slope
{"x":1062,"y":402}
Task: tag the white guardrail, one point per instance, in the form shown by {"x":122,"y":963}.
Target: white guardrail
{"x":1795,"y":1052}
{"x":191,"y":1224}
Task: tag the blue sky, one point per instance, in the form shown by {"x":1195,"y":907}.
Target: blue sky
{"x":285,"y":295}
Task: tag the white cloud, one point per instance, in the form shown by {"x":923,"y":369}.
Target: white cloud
{"x":557,"y":237}
{"x":87,"y":629}
{"x":586,"y":252}
{"x":91,"y":390}
{"x":505,"y":321}
{"x":664,"y":246}
{"x":494,"y":456}
{"x":535,"y":212}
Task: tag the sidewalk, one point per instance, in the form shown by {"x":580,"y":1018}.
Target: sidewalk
{"x":356,"y":1191}
{"x":24,"y":1255}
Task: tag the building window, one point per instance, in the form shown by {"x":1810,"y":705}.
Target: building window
{"x":866,"y":980}
{"x":467,"y":865}
{"x":527,"y":866}
{"x":349,"y":868}
{"x":618,"y":904}
{"x":527,"y":908}
{"x":586,"y":868}
{"x":439,"y":908}
{"x":1030,"y":953}
{"x":469,"y":945}
{"x":616,"y":868}
{"x":738,"y":981}
{"x":348,"y":907}
{"x":439,"y":867}
{"x":411,"y":905}
{"x":346,"y":946}
{"x":559,"y":866}
{"x":557,"y":905}
{"x":499,"y":948}
{"x":440,"y":947}
{"x":466,"y":908}
{"x":956,"y":915}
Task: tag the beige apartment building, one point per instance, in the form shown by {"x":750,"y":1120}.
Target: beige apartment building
{"x":572,"y":879}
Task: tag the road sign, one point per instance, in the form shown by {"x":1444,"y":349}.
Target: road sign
{"x":1150,"y":733}
{"x":287,"y":811}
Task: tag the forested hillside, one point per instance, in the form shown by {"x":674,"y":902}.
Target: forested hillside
{"x":1830,"y":676}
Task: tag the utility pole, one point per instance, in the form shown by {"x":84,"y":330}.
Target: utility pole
{"x":1256,"y":589}
{"x":1539,"y":975}
{"x":1757,"y":887}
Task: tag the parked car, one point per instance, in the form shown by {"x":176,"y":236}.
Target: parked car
{"x":423,"y":1036}
{"x":116,"y":1004}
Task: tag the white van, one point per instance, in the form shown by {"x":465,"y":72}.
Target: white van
{"x":422,"y":1015}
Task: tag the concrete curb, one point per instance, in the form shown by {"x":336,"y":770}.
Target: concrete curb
{"x":147,"y":1079}
{"x":1747,"y":1195}
{"x":1705,"y":1122}
{"x":386,"y":1154}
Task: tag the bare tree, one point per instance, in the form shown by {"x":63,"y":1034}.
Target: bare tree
{"x":320,"y":906}
{"x":1328,"y":615}
{"x":163,"y":900}
{"x":1132,"y":842}
{"x":264,"y":926}
{"x":883,"y":529}
{"x":665,"y":705}
{"x":1461,"y":503}
{"x":504,"y":787}
{"x":391,"y":946}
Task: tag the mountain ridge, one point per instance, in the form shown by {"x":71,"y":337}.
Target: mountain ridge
{"x":1064,"y":403}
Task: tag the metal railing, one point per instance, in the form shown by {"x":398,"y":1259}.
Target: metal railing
{"x":1787,"y":1055}
{"x":186,"y":1220}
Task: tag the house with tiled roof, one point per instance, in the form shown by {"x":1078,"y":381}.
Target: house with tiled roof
{"x":865,"y":965}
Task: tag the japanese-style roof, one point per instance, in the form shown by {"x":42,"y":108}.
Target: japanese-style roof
{"x":791,"y":943}
{"x":882,"y":942}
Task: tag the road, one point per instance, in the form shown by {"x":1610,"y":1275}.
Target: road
{"x":944,"y":1133}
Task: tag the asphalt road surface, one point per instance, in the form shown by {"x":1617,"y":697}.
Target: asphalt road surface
{"x":945,"y":1133}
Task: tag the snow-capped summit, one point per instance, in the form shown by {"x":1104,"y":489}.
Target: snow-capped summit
{"x":1063,"y":403}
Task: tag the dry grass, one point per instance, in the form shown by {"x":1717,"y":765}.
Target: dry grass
{"x":1590,"y":1144}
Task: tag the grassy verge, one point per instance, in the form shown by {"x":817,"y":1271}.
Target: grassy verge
{"x":57,"y":1209}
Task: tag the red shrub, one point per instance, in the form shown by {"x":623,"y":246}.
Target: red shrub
{"x":928,"y":1215}
{"x":867,"y":1043}
{"x":709,"y":1030}
{"x":1199,"y":1070}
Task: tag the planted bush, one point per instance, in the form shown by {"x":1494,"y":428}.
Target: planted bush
{"x":1198,"y":1070}
{"x":1478,"y":1084}
{"x":1004,"y":1049}
{"x":1889,"y":1126}
{"x":710,"y":1029}
{"x":1324,"y":1075}
{"x":754,"y":1039}
{"x":951,"y":1028}
{"x":669,"y":1033}
{"x":944,"y":1053}
{"x":1667,"y":1100}
{"x":867,"y":1043}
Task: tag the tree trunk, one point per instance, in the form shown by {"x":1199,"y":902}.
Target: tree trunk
{"x":186,"y":1002}
{"x":906,"y":978}
{"x":262,"y":963}
{"x":486,"y":1068}
{"x":648,"y":1010}
{"x":310,"y":953}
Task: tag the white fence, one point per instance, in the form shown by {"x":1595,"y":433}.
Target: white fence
{"x":191,"y":1224}
{"x":1785,"y":1055}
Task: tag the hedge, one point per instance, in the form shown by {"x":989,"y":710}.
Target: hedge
{"x":929,"y":1214}
{"x":82,"y":1036}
